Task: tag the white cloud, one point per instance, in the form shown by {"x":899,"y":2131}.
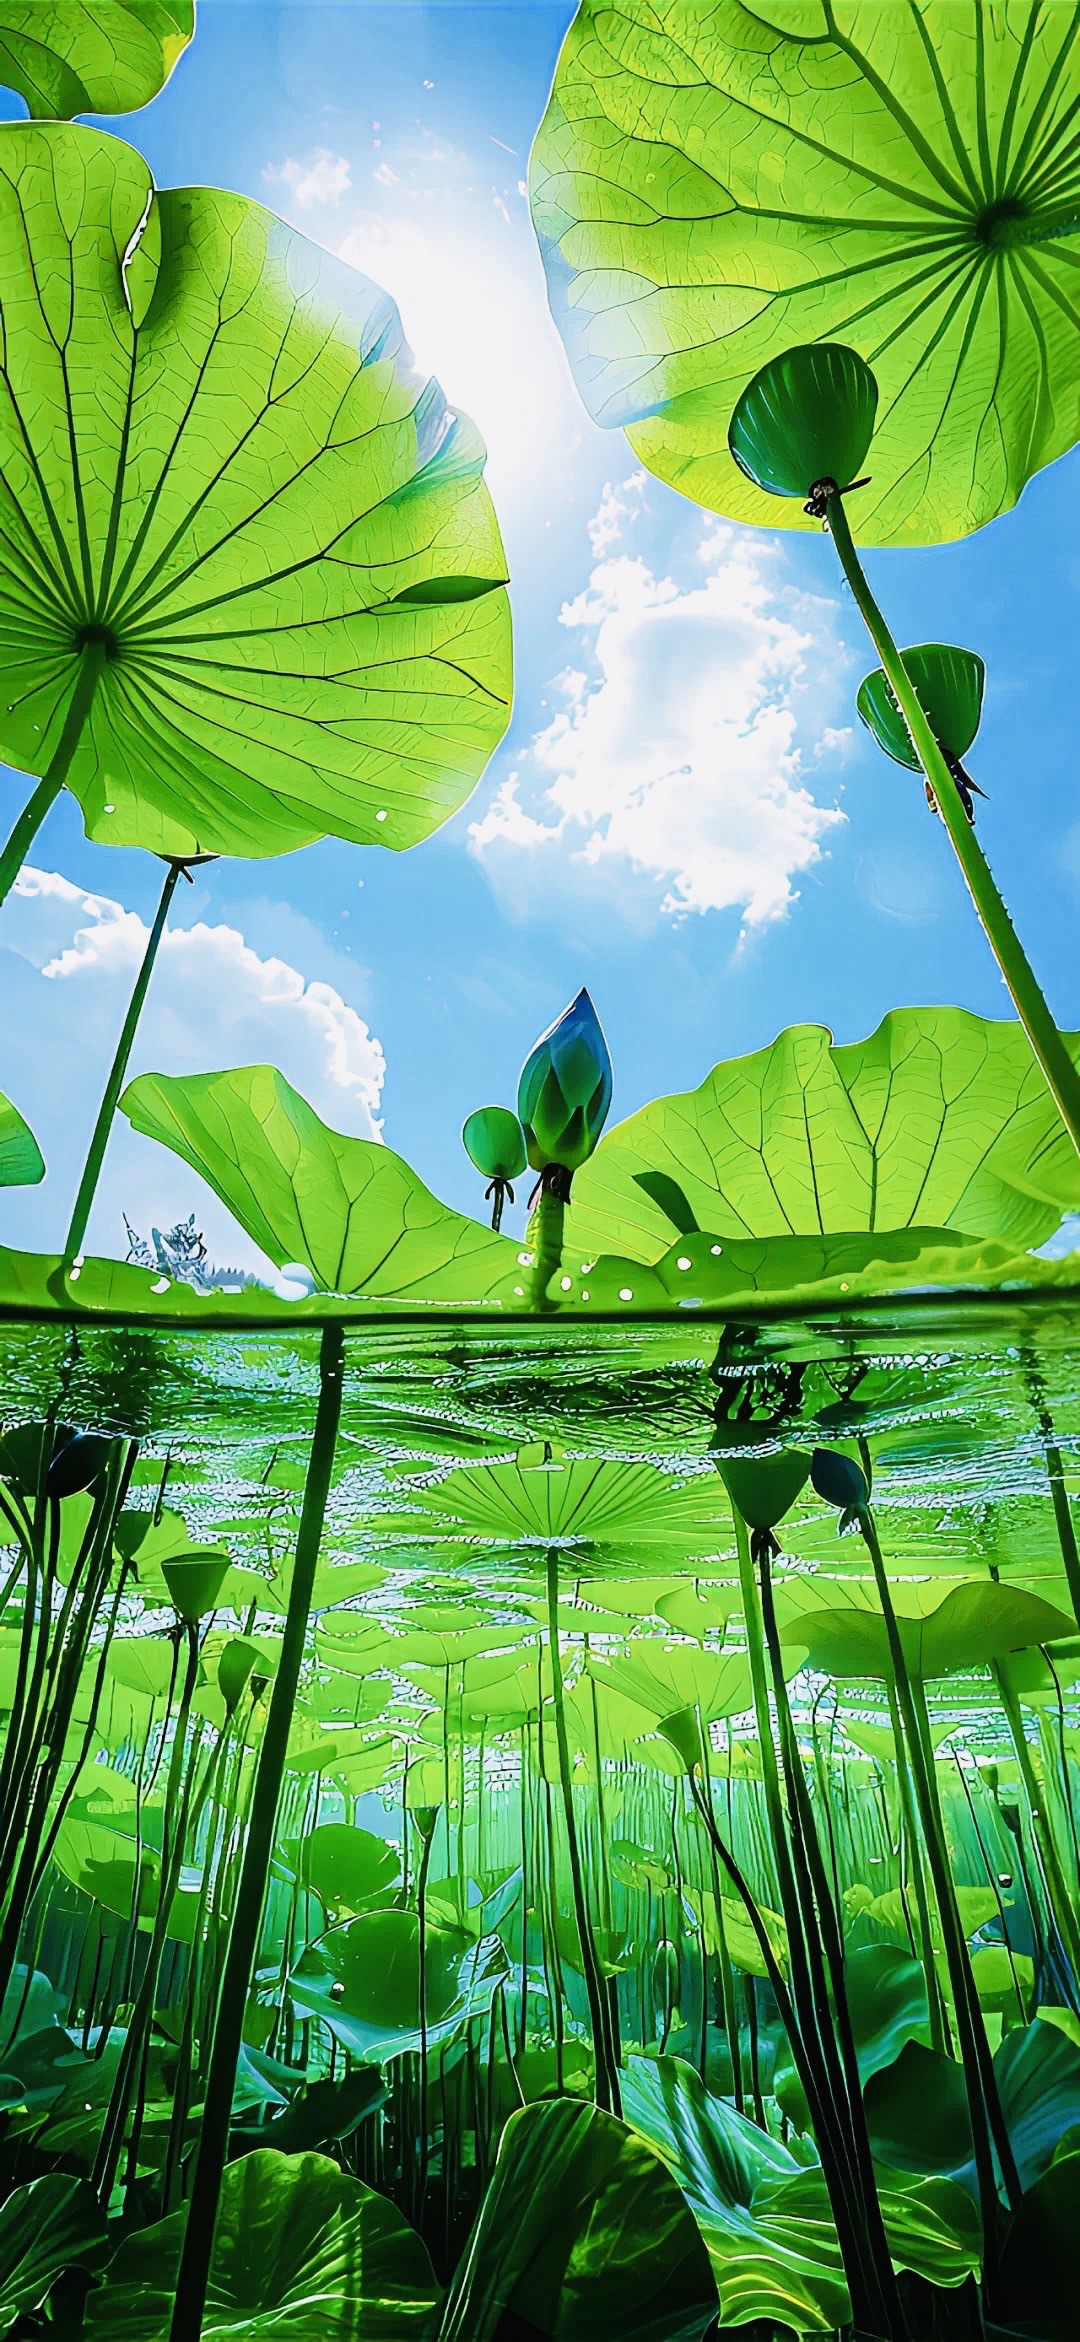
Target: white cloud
{"x":213,"y":1002}
{"x":681,"y":754}
{"x":606,"y":525}
{"x":324,"y":179}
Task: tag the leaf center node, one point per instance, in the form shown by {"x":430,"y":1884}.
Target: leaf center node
{"x":93,"y":635}
{"x":1003,"y":222}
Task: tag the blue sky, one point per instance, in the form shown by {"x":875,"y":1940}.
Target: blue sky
{"x":685,"y":814}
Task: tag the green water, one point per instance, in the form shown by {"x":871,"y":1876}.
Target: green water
{"x":968,"y":1422}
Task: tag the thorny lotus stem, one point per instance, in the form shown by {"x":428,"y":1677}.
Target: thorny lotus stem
{"x":544,"y":1235}
{"x":100,"y":1139}
{"x":52,"y":781}
{"x":194,"y":2271}
{"x":1060,"y":1074}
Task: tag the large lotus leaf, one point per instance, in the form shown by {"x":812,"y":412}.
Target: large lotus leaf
{"x":227,"y":495}
{"x":68,"y":57}
{"x":348,"y":1208}
{"x":918,"y":2115}
{"x":939,"y":1120}
{"x":590,"y":1501}
{"x":767,"y":2224}
{"x":54,"y":2224}
{"x":364,"y":1982}
{"x":348,"y":1868}
{"x":663,"y":1678}
{"x":581,"y":2237}
{"x":718,"y":181}
{"x":886,"y":1997}
{"x":22,"y":1163}
{"x":783,"y":1271}
{"x":299,"y":2249}
{"x":971,"y":1627}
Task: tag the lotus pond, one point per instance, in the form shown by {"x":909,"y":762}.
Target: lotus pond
{"x":606,"y":1878}
{"x":540,"y":1786}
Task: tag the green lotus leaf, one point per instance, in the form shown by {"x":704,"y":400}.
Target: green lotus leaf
{"x":250,"y":581}
{"x":663,"y":1678}
{"x":51,"y":2226}
{"x":299,"y":2249}
{"x":917,"y":2108}
{"x":1039,"y":2275}
{"x":716,"y":182}
{"x":348,"y":1208}
{"x":364,"y":1980}
{"x":582,"y":2236}
{"x":68,"y":57}
{"x":348,"y":1868}
{"x":938,"y":1121}
{"x":886,"y":1997}
{"x":588,"y":1501}
{"x":22,"y":1163}
{"x":971,"y":1627}
{"x":767,"y":2224}
{"x":949,"y":686}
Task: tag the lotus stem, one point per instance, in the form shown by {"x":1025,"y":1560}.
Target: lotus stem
{"x":193,"y":2274}
{"x":1058,"y":1069}
{"x":607,"y":2080}
{"x":544,"y":1235}
{"x":52,"y":781}
{"x":107,"y":1109}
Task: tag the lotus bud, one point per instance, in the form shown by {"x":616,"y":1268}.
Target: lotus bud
{"x":841,"y":1482}
{"x":564,"y":1092}
{"x":682,"y":1731}
{"x":493,"y":1139}
{"x":764,"y":1488}
{"x":234,"y":1671}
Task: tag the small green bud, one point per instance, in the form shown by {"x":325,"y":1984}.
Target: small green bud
{"x":194,"y":1582}
{"x":807,"y":416}
{"x":564,"y":1092}
{"x":494,"y":1141}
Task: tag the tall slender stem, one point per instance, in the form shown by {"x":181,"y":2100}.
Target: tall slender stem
{"x":607,"y":2080}
{"x":1060,"y":1073}
{"x":194,"y":2271}
{"x":100,"y":1139}
{"x":52,"y":780}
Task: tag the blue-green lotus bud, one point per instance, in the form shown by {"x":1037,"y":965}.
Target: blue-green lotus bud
{"x":565,"y":1089}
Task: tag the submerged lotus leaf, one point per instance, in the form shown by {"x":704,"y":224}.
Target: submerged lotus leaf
{"x":22,"y":1163}
{"x":582,"y":2237}
{"x":948,"y":684}
{"x":590,"y":1501}
{"x":349,"y":1208}
{"x":68,"y":57}
{"x":54,"y":2225}
{"x":971,"y":1627}
{"x":300,"y":2248}
{"x":227,"y":496}
{"x":938,"y":1121}
{"x":767,"y":2224}
{"x":719,"y":181}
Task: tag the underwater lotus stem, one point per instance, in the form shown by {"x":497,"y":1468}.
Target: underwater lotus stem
{"x":174,"y":1828}
{"x":984,"y":2103}
{"x":823,"y":1942}
{"x":727,"y":1974}
{"x":816,"y":1894}
{"x":427,"y":1820}
{"x":846,"y":2214}
{"x":807,"y":1988}
{"x":607,"y":2082}
{"x":939,"y":2026}
{"x":52,"y":781}
{"x":107,"y":1109}
{"x":544,"y":1234}
{"x":1055,"y":1473}
{"x":1058,"y":1896}
{"x":194,"y":2270}
{"x":1060,"y":1074}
